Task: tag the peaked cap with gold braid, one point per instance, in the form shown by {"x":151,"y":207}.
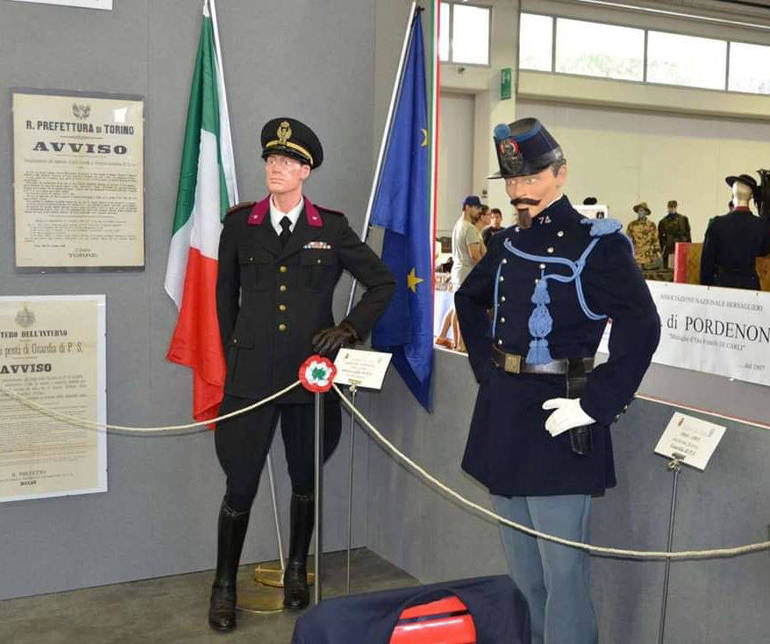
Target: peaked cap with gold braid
{"x":288,"y":136}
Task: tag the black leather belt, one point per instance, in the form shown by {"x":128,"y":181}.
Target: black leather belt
{"x":514,"y":363}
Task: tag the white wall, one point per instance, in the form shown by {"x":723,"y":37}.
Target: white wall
{"x":623,"y":157}
{"x":455,"y":159}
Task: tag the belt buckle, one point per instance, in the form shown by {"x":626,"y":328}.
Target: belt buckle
{"x":512,"y":363}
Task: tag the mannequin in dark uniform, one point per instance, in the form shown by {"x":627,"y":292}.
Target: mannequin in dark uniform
{"x":734,"y":241}
{"x":279,"y":261}
{"x":539,"y":438}
{"x":673,"y":228}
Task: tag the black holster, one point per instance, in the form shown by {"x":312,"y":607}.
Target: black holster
{"x":579,"y":437}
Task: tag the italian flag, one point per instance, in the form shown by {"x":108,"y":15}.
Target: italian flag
{"x":207,"y":188}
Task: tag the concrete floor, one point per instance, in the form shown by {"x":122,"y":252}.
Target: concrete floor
{"x":173,"y":609}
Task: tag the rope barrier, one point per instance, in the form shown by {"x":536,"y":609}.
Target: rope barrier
{"x":84,"y":423}
{"x":597,"y":550}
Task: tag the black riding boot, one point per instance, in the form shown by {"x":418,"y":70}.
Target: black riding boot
{"x":232,"y":530}
{"x":295,"y":590}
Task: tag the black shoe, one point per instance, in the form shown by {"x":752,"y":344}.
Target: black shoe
{"x":302,"y":515}
{"x":295,"y":590}
{"x":222,"y":608}
{"x":231,"y":533}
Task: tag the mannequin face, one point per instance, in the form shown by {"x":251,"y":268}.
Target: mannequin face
{"x":741,"y":194}
{"x":285,"y":175}
{"x":671,"y":210}
{"x":534,"y":192}
{"x":642,"y":213}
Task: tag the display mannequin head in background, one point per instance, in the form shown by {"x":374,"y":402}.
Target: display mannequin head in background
{"x":744,"y":188}
{"x":642,"y":210}
{"x":672,"y":206}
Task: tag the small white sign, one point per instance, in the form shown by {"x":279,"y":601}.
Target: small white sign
{"x":690,"y":439}
{"x":361,"y":368}
{"x":87,"y":4}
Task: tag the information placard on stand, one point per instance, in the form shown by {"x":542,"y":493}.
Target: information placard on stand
{"x":361,"y":368}
{"x":690,"y":440}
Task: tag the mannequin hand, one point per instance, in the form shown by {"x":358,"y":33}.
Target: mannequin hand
{"x":568,"y":414}
{"x":327,"y":341}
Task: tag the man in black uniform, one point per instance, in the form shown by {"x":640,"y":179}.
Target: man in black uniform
{"x":551,"y":282}
{"x":279,"y":261}
{"x":734,"y":241}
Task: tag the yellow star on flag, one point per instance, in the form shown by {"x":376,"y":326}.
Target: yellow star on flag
{"x":412,"y":280}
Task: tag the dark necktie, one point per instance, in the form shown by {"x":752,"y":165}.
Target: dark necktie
{"x":285,"y":232}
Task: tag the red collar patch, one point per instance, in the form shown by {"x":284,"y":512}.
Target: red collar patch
{"x":262,"y":208}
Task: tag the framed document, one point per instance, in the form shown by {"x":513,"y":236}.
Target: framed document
{"x":78,"y":181}
{"x":52,"y":351}
{"x":88,"y":4}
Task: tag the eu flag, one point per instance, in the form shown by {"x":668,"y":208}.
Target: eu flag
{"x":401,"y":207}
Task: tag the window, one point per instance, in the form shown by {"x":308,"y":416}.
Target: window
{"x":749,"y":68}
{"x":535,"y":42}
{"x":464,"y":34}
{"x":675,"y":59}
{"x":595,"y":49}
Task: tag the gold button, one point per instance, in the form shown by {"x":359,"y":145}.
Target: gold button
{"x":502,"y":298}
{"x":318,"y":261}
{"x":560,"y":233}
{"x":251,"y":259}
{"x":282,"y":327}
{"x":550,"y":249}
{"x":537,"y":281}
{"x":281,"y":307}
{"x":505,"y":261}
{"x":282,"y":288}
{"x":502,"y":320}
{"x":283,"y":269}
{"x":499,"y":342}
{"x":502,"y":279}
{"x":235,"y":340}
{"x":542,"y":266}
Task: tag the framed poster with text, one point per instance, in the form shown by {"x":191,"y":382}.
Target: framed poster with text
{"x":78,"y":181}
{"x":52,"y":351}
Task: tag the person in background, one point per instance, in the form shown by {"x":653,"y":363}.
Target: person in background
{"x":467,"y":251}
{"x":495,"y":226}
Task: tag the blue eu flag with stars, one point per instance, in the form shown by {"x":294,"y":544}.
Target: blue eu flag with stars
{"x":401,"y":207}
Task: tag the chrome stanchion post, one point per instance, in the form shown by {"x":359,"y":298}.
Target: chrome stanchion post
{"x":353,"y":391}
{"x":319,"y":430}
{"x":674,"y":465}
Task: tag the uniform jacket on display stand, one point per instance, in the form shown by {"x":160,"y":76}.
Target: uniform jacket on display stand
{"x":272,"y":300}
{"x":730,"y":247}
{"x":508,"y":448}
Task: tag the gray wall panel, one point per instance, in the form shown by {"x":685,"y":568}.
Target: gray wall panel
{"x":311,"y":60}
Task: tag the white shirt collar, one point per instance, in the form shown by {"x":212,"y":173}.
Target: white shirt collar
{"x":276,"y":215}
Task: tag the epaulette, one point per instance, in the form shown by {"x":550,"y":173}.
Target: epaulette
{"x":329,"y":210}
{"x":238,"y":206}
{"x":602,"y":227}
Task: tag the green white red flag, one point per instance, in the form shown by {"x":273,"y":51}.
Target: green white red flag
{"x":207,"y":188}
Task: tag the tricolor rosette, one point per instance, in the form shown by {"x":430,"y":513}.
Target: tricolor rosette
{"x":317,"y":374}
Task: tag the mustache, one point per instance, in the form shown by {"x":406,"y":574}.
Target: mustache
{"x":524,"y":201}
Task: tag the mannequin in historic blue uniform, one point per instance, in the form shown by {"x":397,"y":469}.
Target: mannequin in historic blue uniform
{"x":539,"y":438}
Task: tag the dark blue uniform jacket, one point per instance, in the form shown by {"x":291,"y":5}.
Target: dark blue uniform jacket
{"x":498,"y":608}
{"x":730,"y":249}
{"x":579,"y":259}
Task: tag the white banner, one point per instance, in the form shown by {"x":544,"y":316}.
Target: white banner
{"x":723,"y":331}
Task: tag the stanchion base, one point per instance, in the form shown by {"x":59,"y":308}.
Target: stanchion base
{"x":269,"y":573}
{"x":256,"y":598}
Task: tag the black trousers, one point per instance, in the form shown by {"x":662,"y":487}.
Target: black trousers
{"x":242,"y":444}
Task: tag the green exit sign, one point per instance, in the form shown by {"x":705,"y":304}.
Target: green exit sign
{"x":505,"y":83}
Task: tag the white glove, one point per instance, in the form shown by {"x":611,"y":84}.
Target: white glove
{"x":568,"y":414}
